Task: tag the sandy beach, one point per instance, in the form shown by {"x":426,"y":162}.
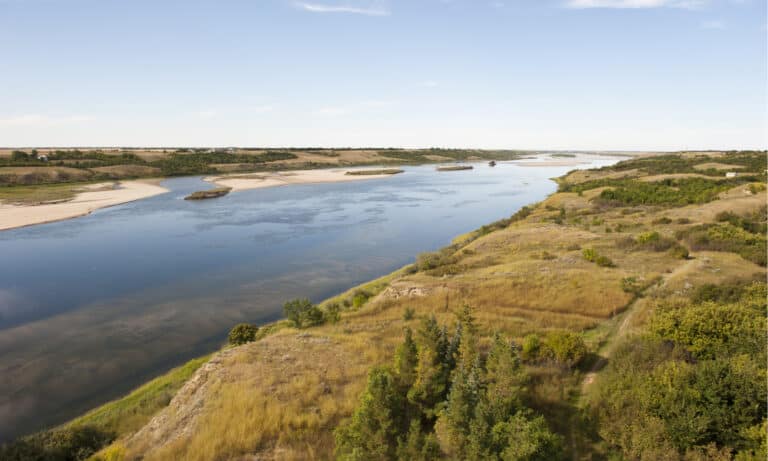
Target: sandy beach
{"x":13,"y":216}
{"x":551,"y":163}
{"x":283,"y":178}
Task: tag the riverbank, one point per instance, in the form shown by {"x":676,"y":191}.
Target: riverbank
{"x":92,"y":198}
{"x":284,"y":178}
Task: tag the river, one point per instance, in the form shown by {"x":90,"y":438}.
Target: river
{"x":93,"y":306}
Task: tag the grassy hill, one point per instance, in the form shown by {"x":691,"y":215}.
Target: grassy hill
{"x":629,"y":307}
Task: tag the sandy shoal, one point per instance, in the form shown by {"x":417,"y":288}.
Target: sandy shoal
{"x":12,"y":216}
{"x":282,"y":178}
{"x":552,"y":163}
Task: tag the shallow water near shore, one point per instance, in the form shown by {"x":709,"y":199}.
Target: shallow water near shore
{"x":93,"y":306}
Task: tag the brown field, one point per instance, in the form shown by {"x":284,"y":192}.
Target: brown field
{"x":127,"y":171}
{"x":26,"y":175}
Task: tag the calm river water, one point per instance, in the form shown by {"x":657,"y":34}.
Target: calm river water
{"x":91,"y":307}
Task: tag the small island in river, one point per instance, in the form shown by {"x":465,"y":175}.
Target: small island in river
{"x":455,"y":168}
{"x":210,"y":193}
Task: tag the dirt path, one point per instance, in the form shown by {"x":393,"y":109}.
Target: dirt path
{"x":621,"y":330}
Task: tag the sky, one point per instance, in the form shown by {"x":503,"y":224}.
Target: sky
{"x":514,"y":74}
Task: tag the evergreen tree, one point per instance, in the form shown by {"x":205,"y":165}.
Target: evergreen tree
{"x":431,"y":384}
{"x":452,"y":354}
{"x":377,"y":424}
{"x":468,"y":345}
{"x":453,"y":427}
{"x":504,"y":378}
{"x":417,"y":446}
{"x":406,"y":360}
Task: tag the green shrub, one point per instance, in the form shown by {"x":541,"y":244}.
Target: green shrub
{"x":359,"y":298}
{"x":332,"y":313}
{"x":631,"y":285}
{"x":754,"y":224}
{"x":648,"y":237}
{"x":662,"y":220}
{"x":589,"y":254}
{"x":709,"y":330}
{"x":531,"y":347}
{"x":653,"y":241}
{"x":679,"y":252}
{"x":592,"y":256}
{"x":604,"y":261}
{"x":67,"y":444}
{"x":565,"y":347}
{"x":302,"y":313}
{"x":670,"y":192}
{"x":433,"y":260}
{"x":242,"y":333}
{"x":409,"y":313}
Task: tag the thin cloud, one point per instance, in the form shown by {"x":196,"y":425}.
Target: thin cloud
{"x":261,"y":109}
{"x":371,"y":105}
{"x":634,"y":4}
{"x":369,"y":9}
{"x":713,"y":25}
{"x":40,"y":120}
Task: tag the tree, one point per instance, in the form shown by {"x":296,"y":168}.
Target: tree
{"x":504,"y":378}
{"x":432,"y":376}
{"x":302,"y":313}
{"x":527,"y":439}
{"x":242,"y":333}
{"x":378,"y":423}
{"x":19,"y":156}
{"x":406,"y":360}
{"x":417,"y":446}
{"x":453,"y":425}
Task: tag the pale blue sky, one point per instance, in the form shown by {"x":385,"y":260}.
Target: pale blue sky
{"x":546,"y":74}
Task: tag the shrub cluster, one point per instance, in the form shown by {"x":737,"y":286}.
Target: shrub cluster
{"x":302,"y":313}
{"x":694,"y":386}
{"x":669,"y":192}
{"x":653,"y":241}
{"x":67,"y":444}
{"x":563,"y":348}
{"x":242,"y":333}
{"x":726,"y":237}
{"x":591,"y":255}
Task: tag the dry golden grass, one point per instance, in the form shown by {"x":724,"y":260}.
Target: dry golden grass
{"x":42,"y":174}
{"x":127,"y":171}
{"x":581,"y":176}
{"x":662,"y":177}
{"x":716,"y":166}
{"x":738,"y":200}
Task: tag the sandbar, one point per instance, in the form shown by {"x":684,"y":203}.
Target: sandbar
{"x":283,"y":178}
{"x":91,"y":199}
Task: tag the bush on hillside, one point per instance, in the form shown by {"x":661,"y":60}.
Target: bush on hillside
{"x":242,"y":333}
{"x":302,"y":313}
{"x":67,"y":444}
{"x":565,"y":347}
